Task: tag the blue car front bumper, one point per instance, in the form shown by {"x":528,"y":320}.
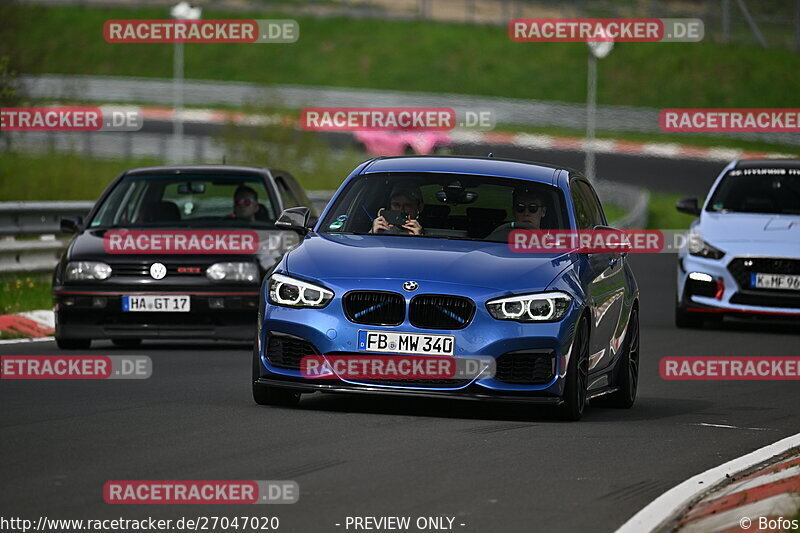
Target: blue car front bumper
{"x":327,"y":331}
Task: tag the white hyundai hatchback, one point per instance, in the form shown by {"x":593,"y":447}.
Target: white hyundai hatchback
{"x":743,"y":252}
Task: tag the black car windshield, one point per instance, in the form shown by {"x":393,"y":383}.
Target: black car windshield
{"x":451,"y":206}
{"x":187,"y":201}
{"x":758,"y":190}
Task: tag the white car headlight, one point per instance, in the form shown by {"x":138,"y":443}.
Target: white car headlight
{"x":232,"y":272}
{"x":700,"y":248}
{"x":540,"y":307}
{"x":87,"y":270}
{"x":291,"y":292}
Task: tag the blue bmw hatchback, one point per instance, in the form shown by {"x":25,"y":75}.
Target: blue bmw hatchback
{"x":412,"y":257}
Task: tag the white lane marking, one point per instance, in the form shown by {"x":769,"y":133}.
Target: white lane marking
{"x":24,"y":340}
{"x":780,"y":505}
{"x":727,"y":426}
{"x":667,"y":506}
{"x":760,"y":480}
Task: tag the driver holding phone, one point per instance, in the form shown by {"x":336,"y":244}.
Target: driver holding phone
{"x":405,"y":206}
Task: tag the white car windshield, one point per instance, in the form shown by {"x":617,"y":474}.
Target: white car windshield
{"x":758,"y":190}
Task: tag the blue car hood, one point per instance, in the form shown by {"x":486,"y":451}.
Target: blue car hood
{"x":476,"y":263}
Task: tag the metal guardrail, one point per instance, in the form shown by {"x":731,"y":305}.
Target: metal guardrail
{"x":31,"y":229}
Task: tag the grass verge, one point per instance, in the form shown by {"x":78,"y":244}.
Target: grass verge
{"x":663,"y":215}
{"x":418,"y":56}
{"x":25,"y":292}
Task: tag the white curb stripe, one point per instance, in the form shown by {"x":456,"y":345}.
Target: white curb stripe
{"x":779,"y":505}
{"x":667,"y":506}
{"x":25,"y":340}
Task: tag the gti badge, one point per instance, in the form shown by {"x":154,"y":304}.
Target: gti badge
{"x":158,"y":271}
{"x":410,"y":286}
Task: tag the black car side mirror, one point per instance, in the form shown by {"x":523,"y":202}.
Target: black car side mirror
{"x":71,"y":224}
{"x":688,"y":206}
{"x":295,"y":218}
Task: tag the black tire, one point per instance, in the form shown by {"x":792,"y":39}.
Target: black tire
{"x":126,"y":343}
{"x":577,"y":377}
{"x":628,"y":369}
{"x":73,"y":344}
{"x":267,"y":394}
{"x":687,"y":319}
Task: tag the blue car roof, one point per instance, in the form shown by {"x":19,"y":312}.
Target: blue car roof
{"x":485,"y":166}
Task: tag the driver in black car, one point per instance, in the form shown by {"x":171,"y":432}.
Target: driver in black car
{"x":246,"y":206}
{"x":405,"y":198}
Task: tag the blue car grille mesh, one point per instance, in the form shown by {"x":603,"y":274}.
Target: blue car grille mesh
{"x":284,"y":351}
{"x":375,"y":308}
{"x":435,"y":311}
{"x":526,"y":368}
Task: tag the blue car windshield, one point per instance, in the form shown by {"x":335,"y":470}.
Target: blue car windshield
{"x":758,"y":190}
{"x":452,"y":206}
{"x":187,"y":201}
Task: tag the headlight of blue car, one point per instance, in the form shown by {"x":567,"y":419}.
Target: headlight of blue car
{"x":540,"y":307}
{"x":291,"y":292}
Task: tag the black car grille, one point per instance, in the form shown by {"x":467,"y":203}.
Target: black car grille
{"x":434,"y":311}
{"x":742,"y":267}
{"x":526,"y":368}
{"x":142,"y":268}
{"x":284,"y":351}
{"x":375,"y":308}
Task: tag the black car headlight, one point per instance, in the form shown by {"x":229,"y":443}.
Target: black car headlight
{"x":232,"y":272}
{"x":291,"y":292}
{"x":540,"y":307}
{"x":700,"y":248}
{"x":87,"y":270}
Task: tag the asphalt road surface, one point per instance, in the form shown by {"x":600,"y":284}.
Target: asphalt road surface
{"x":494,"y":467}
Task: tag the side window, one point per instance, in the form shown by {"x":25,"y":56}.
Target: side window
{"x":582,"y":211}
{"x":287,"y":196}
{"x":596,"y":216}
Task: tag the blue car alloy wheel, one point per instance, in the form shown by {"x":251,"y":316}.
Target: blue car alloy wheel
{"x":411,"y":261}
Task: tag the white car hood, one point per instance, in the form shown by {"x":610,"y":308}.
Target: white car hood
{"x":752,"y":233}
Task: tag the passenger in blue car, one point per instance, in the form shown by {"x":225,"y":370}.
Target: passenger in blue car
{"x":405,"y":206}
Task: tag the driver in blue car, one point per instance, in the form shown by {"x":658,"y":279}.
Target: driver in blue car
{"x":528,"y":207}
{"x":405,"y":205}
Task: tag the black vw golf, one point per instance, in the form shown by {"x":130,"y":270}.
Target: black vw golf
{"x":173,"y":252}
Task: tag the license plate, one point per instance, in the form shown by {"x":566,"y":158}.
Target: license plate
{"x":157,"y":304}
{"x":408,"y":343}
{"x":776,"y":281}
